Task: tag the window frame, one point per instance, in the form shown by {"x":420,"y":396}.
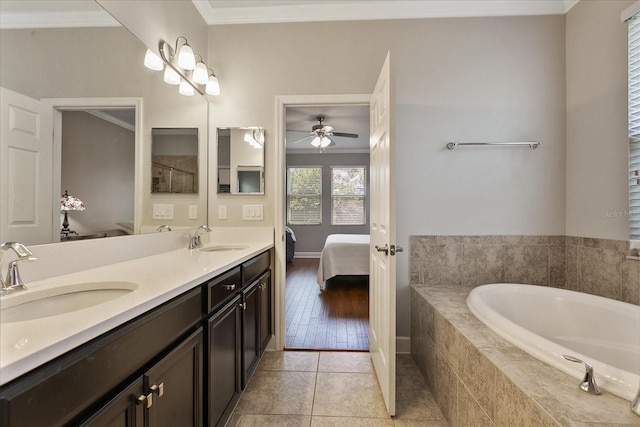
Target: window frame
{"x":364,"y":195}
{"x":633,"y":54}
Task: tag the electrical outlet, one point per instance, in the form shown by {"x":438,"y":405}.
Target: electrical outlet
{"x":222,"y":211}
{"x":193,"y":211}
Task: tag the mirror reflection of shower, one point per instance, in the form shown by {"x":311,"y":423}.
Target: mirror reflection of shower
{"x":174,"y":160}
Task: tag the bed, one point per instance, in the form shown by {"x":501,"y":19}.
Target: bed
{"x":344,"y":255}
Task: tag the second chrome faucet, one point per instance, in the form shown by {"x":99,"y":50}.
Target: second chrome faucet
{"x":194,"y":239}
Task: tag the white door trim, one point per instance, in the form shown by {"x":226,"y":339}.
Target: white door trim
{"x":282,"y":102}
{"x":71,"y":104}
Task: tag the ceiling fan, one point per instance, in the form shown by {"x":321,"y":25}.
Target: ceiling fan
{"x":320,"y":134}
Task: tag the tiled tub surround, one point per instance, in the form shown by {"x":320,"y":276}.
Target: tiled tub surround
{"x":595,"y":266}
{"x":480,"y":379}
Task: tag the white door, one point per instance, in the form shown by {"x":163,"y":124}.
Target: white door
{"x":26,"y":169}
{"x":382,"y":276}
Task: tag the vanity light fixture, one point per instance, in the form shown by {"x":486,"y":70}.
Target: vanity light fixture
{"x":186,"y":89}
{"x":182,"y":67}
{"x":171,"y":77}
{"x":213,"y":86}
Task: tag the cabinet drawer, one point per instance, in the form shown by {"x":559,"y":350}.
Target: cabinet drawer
{"x":255,"y":267}
{"x":223,"y":287}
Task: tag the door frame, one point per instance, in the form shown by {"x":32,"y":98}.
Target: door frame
{"x":282,"y":102}
{"x":77,"y":104}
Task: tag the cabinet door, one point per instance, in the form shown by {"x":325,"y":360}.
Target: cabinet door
{"x":250,"y":344}
{"x":265,"y":325}
{"x":223,"y":346}
{"x":176,"y":385}
{"x":124,"y":410}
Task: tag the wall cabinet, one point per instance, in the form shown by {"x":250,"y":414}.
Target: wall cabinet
{"x":183,"y":363}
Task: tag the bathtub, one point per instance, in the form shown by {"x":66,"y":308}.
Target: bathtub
{"x":549,"y":322}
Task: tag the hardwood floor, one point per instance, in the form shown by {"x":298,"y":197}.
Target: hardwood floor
{"x":334,"y":319}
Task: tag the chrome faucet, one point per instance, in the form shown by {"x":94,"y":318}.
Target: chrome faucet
{"x":194,"y":240}
{"x":163,"y":227}
{"x":13,"y":282}
{"x":588,"y":383}
{"x":635,"y":403}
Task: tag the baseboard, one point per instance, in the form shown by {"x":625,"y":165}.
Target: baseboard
{"x":403,"y":345}
{"x":306,"y":255}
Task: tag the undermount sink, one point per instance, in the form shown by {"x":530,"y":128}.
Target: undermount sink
{"x":39,"y":304}
{"x":223,"y":248}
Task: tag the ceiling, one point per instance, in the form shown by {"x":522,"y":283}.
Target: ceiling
{"x":217,"y":12}
{"x":348,"y":119}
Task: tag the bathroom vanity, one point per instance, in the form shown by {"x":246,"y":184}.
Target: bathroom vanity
{"x":164,"y":355}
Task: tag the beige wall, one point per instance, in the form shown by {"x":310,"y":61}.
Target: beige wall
{"x":456,"y":79}
{"x":597,"y":138}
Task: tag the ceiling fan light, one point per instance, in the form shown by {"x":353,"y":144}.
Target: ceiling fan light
{"x":153,"y":61}
{"x":325,"y":142}
{"x":213,"y":86}
{"x":200,"y":74}
{"x":186,"y":58}
{"x":316,"y":141}
{"x":171,"y":77}
{"x":186,"y":89}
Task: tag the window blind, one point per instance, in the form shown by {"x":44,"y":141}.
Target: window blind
{"x":634,"y":127}
{"x":348,"y":195}
{"x":304,"y":195}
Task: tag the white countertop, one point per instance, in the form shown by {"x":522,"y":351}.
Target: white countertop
{"x":25,"y":345}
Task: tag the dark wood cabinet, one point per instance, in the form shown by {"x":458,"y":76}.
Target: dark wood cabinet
{"x":223,"y":347}
{"x":183,"y":363}
{"x":168,"y":394}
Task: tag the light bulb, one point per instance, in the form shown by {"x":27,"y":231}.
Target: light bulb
{"x":213,"y":87}
{"x":200,"y":74}
{"x":153,"y":61}
{"x":186,"y":89}
{"x":186,"y":58}
{"x":171,"y":77}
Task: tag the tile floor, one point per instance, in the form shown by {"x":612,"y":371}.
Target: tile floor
{"x":318,"y":389}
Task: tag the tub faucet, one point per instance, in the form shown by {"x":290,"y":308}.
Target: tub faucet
{"x":635,"y":403}
{"x":194,"y":239}
{"x":163,"y":227}
{"x":588,"y":383}
{"x":13,"y":282}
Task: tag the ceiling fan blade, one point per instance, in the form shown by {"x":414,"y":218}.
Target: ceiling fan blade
{"x":332,"y":143}
{"x":292,"y":130}
{"x":345,"y":135}
{"x":302,"y":139}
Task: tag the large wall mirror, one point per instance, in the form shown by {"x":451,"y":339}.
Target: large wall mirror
{"x":103,"y":156}
{"x":240,"y":160}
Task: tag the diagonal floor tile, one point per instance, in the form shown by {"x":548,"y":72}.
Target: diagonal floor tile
{"x":348,"y":394}
{"x":278,"y":392}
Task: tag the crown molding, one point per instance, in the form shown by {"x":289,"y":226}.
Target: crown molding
{"x":75,"y":19}
{"x":368,"y":10}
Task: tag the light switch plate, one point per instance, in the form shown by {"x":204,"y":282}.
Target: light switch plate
{"x":193,"y":211}
{"x":252,"y":213}
{"x":222,"y":211}
{"x":162,"y":211}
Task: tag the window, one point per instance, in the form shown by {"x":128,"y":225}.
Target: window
{"x":634,"y":127}
{"x":304,"y":195}
{"x":348,"y":195}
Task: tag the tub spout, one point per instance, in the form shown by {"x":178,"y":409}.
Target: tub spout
{"x":588,"y":383}
{"x":635,"y":403}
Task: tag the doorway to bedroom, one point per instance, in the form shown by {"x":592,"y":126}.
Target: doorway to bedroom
{"x":326,"y":225}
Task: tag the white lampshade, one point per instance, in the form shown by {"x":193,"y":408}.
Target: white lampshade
{"x":186,"y":58}
{"x":153,"y":61}
{"x":186,"y":89}
{"x":200,"y":74}
{"x":171,"y":77}
{"x":321,"y":142}
{"x":213,"y":87}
